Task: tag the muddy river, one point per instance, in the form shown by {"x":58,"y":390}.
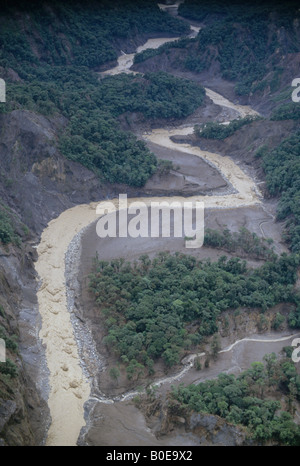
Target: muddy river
{"x":72,"y":401}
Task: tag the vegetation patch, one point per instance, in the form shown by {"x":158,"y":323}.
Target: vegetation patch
{"x":290,"y":111}
{"x":213,"y":130}
{"x":248,"y":399}
{"x":243,"y":241}
{"x":147,"y":306}
{"x":8,"y":233}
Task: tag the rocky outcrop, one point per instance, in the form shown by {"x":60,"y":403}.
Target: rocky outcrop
{"x":204,"y":429}
{"x":36,"y":180}
{"x":213,"y":430}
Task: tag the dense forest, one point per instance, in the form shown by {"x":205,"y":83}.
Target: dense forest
{"x":93,"y":136}
{"x":248,"y":399}
{"x":64,"y":33}
{"x":146,"y":306}
{"x":243,"y":39}
{"x":53,"y":75}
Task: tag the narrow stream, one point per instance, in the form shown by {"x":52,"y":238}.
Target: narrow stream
{"x":188,"y":364}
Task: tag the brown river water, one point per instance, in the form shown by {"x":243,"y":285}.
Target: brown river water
{"x":69,"y":387}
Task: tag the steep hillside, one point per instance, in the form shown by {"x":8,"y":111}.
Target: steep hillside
{"x":65,"y":33}
{"x":249,"y":49}
{"x":24,"y":414}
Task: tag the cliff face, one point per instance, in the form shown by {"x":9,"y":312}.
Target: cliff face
{"x":23,"y":410}
{"x":213,"y":430}
{"x":36,"y":181}
{"x":203,"y":429}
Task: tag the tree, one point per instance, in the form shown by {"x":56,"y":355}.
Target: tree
{"x":197,"y":364}
{"x":278,"y":321}
{"x":134,"y":369}
{"x":270,"y":360}
{"x":215,"y":346}
{"x":114,"y":373}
